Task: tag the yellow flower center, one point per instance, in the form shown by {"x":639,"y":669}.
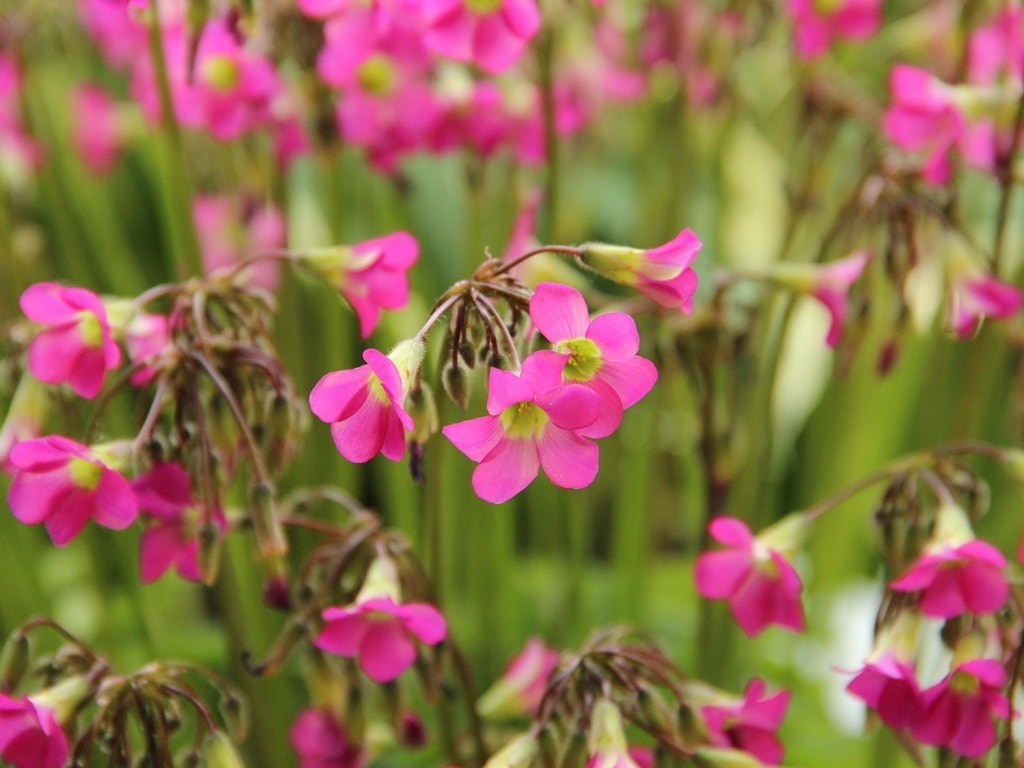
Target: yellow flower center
{"x":483,"y":7}
{"x":84,"y":473}
{"x":90,"y":328}
{"x":584,"y":359}
{"x":377,"y":75}
{"x":524,"y":420}
{"x":220,"y":72}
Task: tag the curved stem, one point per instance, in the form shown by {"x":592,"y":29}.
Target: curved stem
{"x":563,"y":250}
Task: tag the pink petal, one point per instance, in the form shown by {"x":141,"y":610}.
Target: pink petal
{"x":344,"y":632}
{"x":569,"y":461}
{"x":631,"y":379}
{"x":731,"y":531}
{"x":339,"y":394}
{"x":53,"y":353}
{"x":71,"y":517}
{"x":47,"y":303}
{"x":522,"y":16}
{"x":115,"y":505}
{"x":158,"y":549}
{"x":424,"y":621}
{"x":495,"y":46}
{"x":559,"y":312}
{"x":571,"y":407}
{"x":507,"y":470}
{"x":505,"y":389}
{"x":386,"y":651}
{"x":718,"y":574}
{"x":476,"y":437}
{"x":615,"y":335}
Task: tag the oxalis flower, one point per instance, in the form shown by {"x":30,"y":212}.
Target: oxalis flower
{"x":753,"y":574}
{"x":371,"y":275}
{"x":600,"y":354}
{"x":489,"y":33}
{"x":750,"y":725}
{"x":521,"y":686}
{"x":378,"y":629}
{"x":320,"y":741}
{"x":76,"y":347}
{"x":887,"y":682}
{"x":30,"y":736}
{"x":364,"y":405}
{"x":662,"y":273}
{"x":534,"y":421}
{"x":63,"y":484}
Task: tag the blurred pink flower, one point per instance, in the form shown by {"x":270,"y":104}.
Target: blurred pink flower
{"x":490,"y":33}
{"x":147,"y":336}
{"x":662,"y":273}
{"x":889,"y":686}
{"x":371,"y":275}
{"x":751,"y":724}
{"x":534,"y":421}
{"x":171,"y":535}
{"x":521,"y":686}
{"x":924,"y":118}
{"x":96,"y":134}
{"x":760,"y":584}
{"x":600,"y":354}
{"x":831,"y":287}
{"x":30,"y":736}
{"x":63,"y":484}
{"x":379,"y":632}
{"x":320,"y":741}
{"x":230,"y":230}
{"x":977,"y":295}
{"x":819,"y":23}
{"x":959,"y":711}
{"x":76,"y":347}
{"x":955,"y":579}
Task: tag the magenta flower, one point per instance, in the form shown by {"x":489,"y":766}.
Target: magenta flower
{"x":63,"y":484}
{"x":889,"y":686}
{"x":534,"y":421}
{"x":171,"y":537}
{"x":955,"y":579}
{"x":147,"y":337}
{"x":832,"y":288}
{"x":819,"y":24}
{"x":320,"y":741}
{"x":662,"y":273}
{"x":521,"y":686}
{"x":97,"y":136}
{"x":489,"y":33}
{"x":30,"y":736}
{"x":600,"y":354}
{"x":364,"y":405}
{"x":751,"y":724}
{"x":924,"y":118}
{"x":976,"y":295}
{"x":227,"y":236}
{"x":76,"y":347}
{"x":959,"y":711}
{"x":758,"y":581}
{"x":371,"y":275}
{"x":379,"y":632}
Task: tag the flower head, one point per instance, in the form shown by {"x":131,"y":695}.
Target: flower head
{"x":63,"y":484}
{"x":76,"y":346}
{"x":171,"y":538}
{"x":521,"y":687}
{"x":534,"y":421}
{"x":750,"y":725}
{"x":320,"y":741}
{"x":976,"y":295}
{"x":364,"y":405}
{"x":490,"y":33}
{"x":371,"y":275}
{"x":599,"y":354}
{"x":753,"y":574}
{"x":662,"y":273}
{"x":956,"y":572}
{"x":820,"y":22}
{"x":30,"y":736}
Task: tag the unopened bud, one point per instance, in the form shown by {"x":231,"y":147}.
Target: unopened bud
{"x":420,"y":405}
{"x":219,"y":752}
{"x":576,"y":754}
{"x":456,"y":385}
{"x":233,"y":709}
{"x":548,"y":744}
{"x":521,"y":752}
{"x":14,"y":661}
{"x":691,"y":725}
{"x":412,"y":733}
{"x":653,"y":708}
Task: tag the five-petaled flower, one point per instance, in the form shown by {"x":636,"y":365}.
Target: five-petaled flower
{"x":76,"y":347}
{"x":534,"y":421}
{"x":751,"y":724}
{"x":753,"y":574}
{"x":521,"y":686}
{"x":600,"y":354}
{"x":63,"y":484}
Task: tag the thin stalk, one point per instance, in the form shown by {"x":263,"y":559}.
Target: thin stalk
{"x":1007,"y":181}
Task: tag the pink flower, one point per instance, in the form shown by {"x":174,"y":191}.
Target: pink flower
{"x":364,"y":405}
{"x":978,"y":295}
{"x":832,"y":288}
{"x":63,"y":484}
{"x":379,"y":632}
{"x":320,"y":742}
{"x":954,"y":580}
{"x":958,"y":711}
{"x":490,"y":33}
{"x":819,"y":23}
{"x":96,"y":134}
{"x":600,"y":354}
{"x":750,"y":725}
{"x":889,"y":686}
{"x":371,"y":275}
{"x":227,"y":235}
{"x":521,"y":686}
{"x":662,"y":273}
{"x":164,"y":495}
{"x":758,"y":581}
{"x":535,"y":421}
{"x":30,"y":736}
{"x":76,"y":347}
{"x":147,"y":337}
{"x":923,"y":118}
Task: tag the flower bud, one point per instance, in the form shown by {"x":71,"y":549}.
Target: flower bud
{"x":381,"y":581}
{"x":521,"y":752}
{"x":14,"y":661}
{"x":456,"y":384}
{"x":719,"y":757}
{"x":219,"y":752}
{"x":420,"y":405}
{"x":408,"y":357}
